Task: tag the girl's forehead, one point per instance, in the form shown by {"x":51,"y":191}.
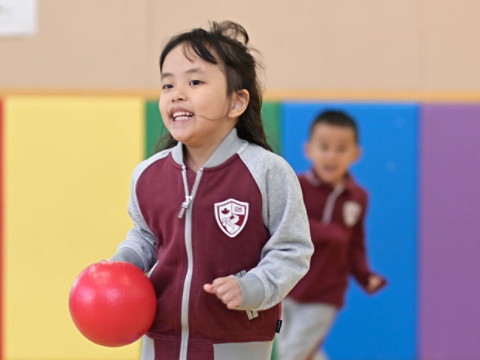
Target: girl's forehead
{"x":184,"y":58}
{"x":187,"y":51}
{"x":183,"y":53}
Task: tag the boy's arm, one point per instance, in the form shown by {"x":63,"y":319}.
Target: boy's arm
{"x":360,"y":269}
{"x":323,"y":233}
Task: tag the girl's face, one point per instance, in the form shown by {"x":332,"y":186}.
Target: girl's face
{"x":194,"y":103}
{"x":332,"y":149}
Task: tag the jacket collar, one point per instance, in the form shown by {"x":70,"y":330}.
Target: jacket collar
{"x":229,"y":146}
{"x":349,"y":183}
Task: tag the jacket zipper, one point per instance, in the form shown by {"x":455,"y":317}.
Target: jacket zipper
{"x":186,"y":209}
{"x":189,"y":197}
{"x":330,"y":203}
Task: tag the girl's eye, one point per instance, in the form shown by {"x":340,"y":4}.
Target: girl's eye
{"x":167,"y":86}
{"x":195,"y":82}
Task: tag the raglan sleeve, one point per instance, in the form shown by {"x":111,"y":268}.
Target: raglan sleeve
{"x":139,"y":246}
{"x":285,"y":258}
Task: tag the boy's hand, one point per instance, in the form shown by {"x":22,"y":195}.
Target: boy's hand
{"x":375,"y":283}
{"x":227,"y":290}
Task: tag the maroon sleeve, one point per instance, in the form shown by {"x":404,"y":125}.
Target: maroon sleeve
{"x":358,"y":257}
{"x":323,"y":233}
{"x":358,"y":253}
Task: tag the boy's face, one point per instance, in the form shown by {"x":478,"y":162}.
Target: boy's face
{"x":332,"y":149}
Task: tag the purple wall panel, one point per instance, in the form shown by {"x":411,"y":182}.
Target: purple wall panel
{"x":450,"y":236}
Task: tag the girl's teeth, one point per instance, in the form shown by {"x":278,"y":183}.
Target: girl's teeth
{"x":181,"y":115}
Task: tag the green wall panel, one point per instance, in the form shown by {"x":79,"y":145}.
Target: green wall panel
{"x":154,"y":128}
{"x":272,"y":124}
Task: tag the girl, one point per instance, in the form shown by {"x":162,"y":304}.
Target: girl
{"x":219,"y":215}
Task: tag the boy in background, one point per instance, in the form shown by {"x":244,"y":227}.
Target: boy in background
{"x":336,"y":208}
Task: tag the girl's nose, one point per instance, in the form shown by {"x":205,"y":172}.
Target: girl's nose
{"x":177,"y":98}
{"x":178,"y":95}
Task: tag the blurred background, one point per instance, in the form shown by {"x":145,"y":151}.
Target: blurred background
{"x":79,"y":85}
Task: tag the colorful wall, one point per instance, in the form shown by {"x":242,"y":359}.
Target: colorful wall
{"x":65,"y":170}
{"x":355,"y":46}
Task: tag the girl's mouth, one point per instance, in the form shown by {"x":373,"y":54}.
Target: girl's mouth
{"x":181,"y":116}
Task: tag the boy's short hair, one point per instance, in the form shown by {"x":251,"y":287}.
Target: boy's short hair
{"x":335,"y":118}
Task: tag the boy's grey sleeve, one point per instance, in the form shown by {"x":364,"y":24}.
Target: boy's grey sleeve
{"x":285,"y":258}
{"x":139,"y":247}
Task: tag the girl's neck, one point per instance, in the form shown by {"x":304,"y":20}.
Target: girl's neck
{"x":195,"y":158}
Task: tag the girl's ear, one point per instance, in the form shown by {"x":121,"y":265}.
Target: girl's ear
{"x":239,"y":103}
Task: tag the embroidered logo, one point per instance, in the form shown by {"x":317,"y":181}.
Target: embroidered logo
{"x":351,"y":212}
{"x":231,"y":216}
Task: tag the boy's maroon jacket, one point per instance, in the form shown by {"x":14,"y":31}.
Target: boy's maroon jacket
{"x":336,"y":217}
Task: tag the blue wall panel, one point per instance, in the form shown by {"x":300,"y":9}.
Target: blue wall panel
{"x":382,"y":326}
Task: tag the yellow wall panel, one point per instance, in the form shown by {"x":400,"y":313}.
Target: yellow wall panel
{"x":68,"y":167}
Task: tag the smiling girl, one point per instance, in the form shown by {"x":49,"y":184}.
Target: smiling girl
{"x":219,"y":218}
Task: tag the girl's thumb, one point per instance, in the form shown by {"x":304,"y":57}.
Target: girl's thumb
{"x":208,"y":288}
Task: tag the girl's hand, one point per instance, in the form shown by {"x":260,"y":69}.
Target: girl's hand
{"x":227,"y":290}
{"x":375,"y":283}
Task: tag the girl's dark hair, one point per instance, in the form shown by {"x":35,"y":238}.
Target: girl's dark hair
{"x":336,"y":118}
{"x":226,"y":42}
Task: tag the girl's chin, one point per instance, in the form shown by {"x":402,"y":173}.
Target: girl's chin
{"x":179,"y":137}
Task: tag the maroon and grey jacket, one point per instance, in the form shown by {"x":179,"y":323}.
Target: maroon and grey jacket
{"x":242,"y":214}
{"x":336,"y":217}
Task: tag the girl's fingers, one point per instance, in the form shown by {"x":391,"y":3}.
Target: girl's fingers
{"x":233,"y":304}
{"x":213,"y":287}
{"x":228,"y":296}
{"x":226,"y":291}
{"x":209,"y":288}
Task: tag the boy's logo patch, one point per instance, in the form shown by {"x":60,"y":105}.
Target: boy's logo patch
{"x":351,"y":212}
{"x":231,"y":216}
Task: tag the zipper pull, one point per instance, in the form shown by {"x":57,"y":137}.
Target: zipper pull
{"x":184,"y":206}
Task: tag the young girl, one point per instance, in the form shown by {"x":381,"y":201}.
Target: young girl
{"x":219,"y":215}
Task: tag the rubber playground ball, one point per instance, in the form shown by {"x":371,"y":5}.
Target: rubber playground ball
{"x":112,"y":303}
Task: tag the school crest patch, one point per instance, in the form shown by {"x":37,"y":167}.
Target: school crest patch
{"x":231,"y":216}
{"x":351,"y":212}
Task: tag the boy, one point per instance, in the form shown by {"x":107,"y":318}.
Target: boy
{"x":336,"y":208}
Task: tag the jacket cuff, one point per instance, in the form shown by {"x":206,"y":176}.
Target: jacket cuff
{"x":252,"y":290}
{"x":130,"y":256}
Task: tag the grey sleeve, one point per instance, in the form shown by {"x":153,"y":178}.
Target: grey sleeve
{"x":139,"y":246}
{"x":285,"y":258}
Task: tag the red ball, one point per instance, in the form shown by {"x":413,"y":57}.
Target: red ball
{"x":112,"y":303}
